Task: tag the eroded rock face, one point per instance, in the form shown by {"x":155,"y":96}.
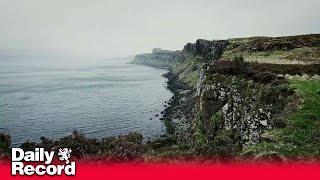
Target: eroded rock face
{"x":242,"y":115}
{"x":212,"y":99}
{"x":209,"y":50}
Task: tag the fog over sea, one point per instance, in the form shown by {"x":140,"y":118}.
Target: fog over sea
{"x":101,"y":98}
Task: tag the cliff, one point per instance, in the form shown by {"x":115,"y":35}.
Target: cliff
{"x":158,"y":58}
{"x":207,"y":50}
{"x":239,"y":104}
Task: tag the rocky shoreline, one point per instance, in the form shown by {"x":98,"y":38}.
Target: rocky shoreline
{"x":178,"y":111}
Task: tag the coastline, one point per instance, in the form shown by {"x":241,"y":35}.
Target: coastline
{"x":179,"y":109}
{"x":173,"y":106}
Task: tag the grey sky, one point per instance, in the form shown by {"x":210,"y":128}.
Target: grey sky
{"x":109,"y":28}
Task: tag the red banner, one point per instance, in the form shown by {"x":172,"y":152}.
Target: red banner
{"x":164,"y":171}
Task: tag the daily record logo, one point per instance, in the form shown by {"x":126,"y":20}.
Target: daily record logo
{"x":20,"y":158}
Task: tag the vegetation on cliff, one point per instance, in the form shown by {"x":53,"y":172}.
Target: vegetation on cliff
{"x":301,"y":137}
{"x":303,"y":49}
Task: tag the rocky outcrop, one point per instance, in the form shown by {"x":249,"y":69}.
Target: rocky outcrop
{"x":241,"y":115}
{"x":208,"y":50}
{"x":239,"y":103}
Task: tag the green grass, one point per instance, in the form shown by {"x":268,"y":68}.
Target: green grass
{"x":192,"y":78}
{"x":297,"y":55}
{"x":301,"y":137}
{"x":187,"y":70}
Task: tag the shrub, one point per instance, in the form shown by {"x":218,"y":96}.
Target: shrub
{"x":223,"y":145}
{"x":265,"y":77}
{"x":5,"y":143}
{"x":240,"y":67}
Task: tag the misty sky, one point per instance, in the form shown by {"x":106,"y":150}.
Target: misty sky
{"x":111,"y":28}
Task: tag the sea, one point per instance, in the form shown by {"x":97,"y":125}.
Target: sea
{"x":102,"y":98}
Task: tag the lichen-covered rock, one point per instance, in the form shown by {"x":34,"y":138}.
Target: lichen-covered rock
{"x":239,"y":102}
{"x":212,"y":99}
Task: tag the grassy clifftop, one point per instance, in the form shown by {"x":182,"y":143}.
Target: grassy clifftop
{"x":302,"y":49}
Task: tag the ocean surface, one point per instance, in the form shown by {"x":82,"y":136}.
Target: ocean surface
{"x":105,"y":98}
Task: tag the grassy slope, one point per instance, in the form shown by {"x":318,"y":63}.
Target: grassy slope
{"x":301,"y":138}
{"x":304,"y":55}
{"x":187,"y":70}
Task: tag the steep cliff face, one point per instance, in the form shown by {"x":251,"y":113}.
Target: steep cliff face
{"x":208,"y":50}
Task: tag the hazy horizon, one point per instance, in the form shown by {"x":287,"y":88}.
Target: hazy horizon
{"x":102,"y":29}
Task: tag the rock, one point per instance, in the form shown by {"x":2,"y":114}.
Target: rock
{"x":212,"y":99}
{"x":264,"y":123}
{"x":315,"y":77}
{"x":240,"y":113}
{"x":209,"y":50}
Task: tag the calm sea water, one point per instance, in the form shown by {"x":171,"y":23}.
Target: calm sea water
{"x":102,"y":99}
